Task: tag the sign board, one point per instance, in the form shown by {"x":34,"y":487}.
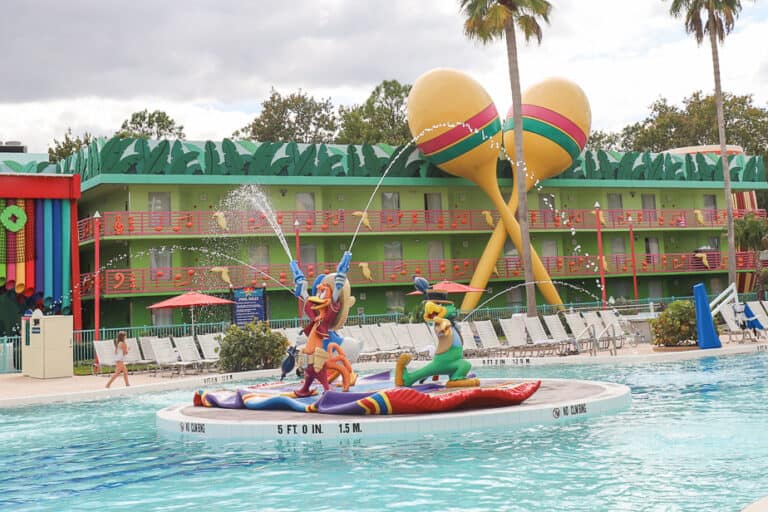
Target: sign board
{"x":249,"y":305}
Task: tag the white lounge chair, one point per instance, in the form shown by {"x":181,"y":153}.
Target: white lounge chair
{"x":605,"y":334}
{"x":539,"y":337}
{"x":189,"y":353}
{"x":424,"y":340}
{"x":210,"y":346}
{"x":403,"y":337}
{"x":146,"y":348}
{"x":583,"y":334}
{"x":166,"y":357}
{"x":105,"y":352}
{"x":134,"y":353}
{"x":759,"y":312}
{"x":514,"y":331}
{"x":468,"y":337}
{"x":488,"y":338}
{"x":558,"y":332}
{"x":733,"y":327}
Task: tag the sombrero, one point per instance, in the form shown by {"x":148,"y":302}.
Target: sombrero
{"x":346,"y":299}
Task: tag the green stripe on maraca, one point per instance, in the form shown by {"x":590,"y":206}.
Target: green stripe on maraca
{"x":466,"y":145}
{"x":548,"y":132}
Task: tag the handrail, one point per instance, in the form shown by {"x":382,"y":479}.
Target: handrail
{"x":725,"y":297}
{"x":132,"y":281}
{"x":124,"y":224}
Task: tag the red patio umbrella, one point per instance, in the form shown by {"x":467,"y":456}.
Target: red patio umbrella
{"x":190,"y":300}
{"x":449,"y":287}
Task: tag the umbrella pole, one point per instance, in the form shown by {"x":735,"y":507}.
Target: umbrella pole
{"x":192,"y":311}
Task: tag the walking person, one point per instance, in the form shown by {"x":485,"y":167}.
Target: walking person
{"x":121,"y":350}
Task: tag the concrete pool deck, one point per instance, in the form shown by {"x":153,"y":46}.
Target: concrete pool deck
{"x":19,"y":390}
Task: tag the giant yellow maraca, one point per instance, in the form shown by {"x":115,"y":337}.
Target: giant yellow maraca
{"x":556,"y":124}
{"x":457,"y":127}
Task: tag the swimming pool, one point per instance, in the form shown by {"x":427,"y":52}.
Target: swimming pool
{"x":694,"y":439}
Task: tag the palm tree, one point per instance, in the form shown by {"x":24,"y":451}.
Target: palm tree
{"x":751,"y":233}
{"x":487,"y":20}
{"x":715,"y":18}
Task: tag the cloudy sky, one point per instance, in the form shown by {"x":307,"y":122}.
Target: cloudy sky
{"x":89,"y":64}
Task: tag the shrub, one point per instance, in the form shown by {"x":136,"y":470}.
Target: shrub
{"x":676,"y":325}
{"x":253,"y":347}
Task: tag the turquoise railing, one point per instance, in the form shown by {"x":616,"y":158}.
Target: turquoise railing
{"x":10,"y":346}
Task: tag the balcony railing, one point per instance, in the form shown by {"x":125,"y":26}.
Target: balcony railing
{"x":141,"y":281}
{"x":199,"y":223}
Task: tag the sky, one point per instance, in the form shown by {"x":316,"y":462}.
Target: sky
{"x":88,"y":64}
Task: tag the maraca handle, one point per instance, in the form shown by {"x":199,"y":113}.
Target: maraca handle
{"x":484,"y":268}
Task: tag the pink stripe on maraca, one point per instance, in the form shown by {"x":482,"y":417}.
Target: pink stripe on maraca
{"x":457,"y":133}
{"x":555,"y":119}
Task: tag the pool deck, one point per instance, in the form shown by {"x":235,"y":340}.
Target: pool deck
{"x":19,"y":390}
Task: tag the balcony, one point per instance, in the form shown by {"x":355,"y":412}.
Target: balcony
{"x":195,"y":224}
{"x":141,"y":281}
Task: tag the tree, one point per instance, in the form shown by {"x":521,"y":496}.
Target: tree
{"x":695,"y":124}
{"x":720,"y":17}
{"x":751,"y":233}
{"x":68,"y":146}
{"x":293,"y":118}
{"x":487,"y":20}
{"x":150,"y":125}
{"x":382,"y":118}
{"x":607,"y":141}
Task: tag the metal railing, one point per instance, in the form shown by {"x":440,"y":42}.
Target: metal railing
{"x":173,"y":280}
{"x":207,"y":223}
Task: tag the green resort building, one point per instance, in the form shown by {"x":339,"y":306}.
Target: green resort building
{"x":177,"y":216}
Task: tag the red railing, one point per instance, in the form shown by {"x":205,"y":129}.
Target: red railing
{"x":198,"y":223}
{"x":178,"y":279}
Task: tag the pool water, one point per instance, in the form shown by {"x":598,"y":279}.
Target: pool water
{"x":695,"y":438}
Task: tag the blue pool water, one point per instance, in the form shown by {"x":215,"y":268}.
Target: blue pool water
{"x":695,"y":438}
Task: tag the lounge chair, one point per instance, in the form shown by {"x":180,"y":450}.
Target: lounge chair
{"x":403,"y":337}
{"x":621,"y":328}
{"x":134,"y":353}
{"x":757,"y":309}
{"x":605,"y":334}
{"x":584,"y":334}
{"x":468,"y":337}
{"x":105,"y":352}
{"x":559,"y":334}
{"x":384,"y":340}
{"x":539,"y":337}
{"x":733,"y":327}
{"x":190,"y":354}
{"x":210,"y":346}
{"x":424,"y":340}
{"x":166,"y":357}
{"x":488,"y":338}
{"x":517,"y":339}
{"x":146,"y":348}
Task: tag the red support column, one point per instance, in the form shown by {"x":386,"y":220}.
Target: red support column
{"x":96,"y":274}
{"x":632,"y":251}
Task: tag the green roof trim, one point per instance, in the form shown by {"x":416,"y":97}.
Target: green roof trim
{"x":239,"y":161}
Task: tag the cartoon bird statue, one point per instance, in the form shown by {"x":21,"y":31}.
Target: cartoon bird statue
{"x":488,"y":218}
{"x":363,"y":219}
{"x":699,"y":217}
{"x":602,"y":216}
{"x":703,"y":257}
{"x":289,"y":362}
{"x":366,"y":271}
{"x":223,"y":274}
{"x":221,"y":220}
{"x":421,"y":284}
